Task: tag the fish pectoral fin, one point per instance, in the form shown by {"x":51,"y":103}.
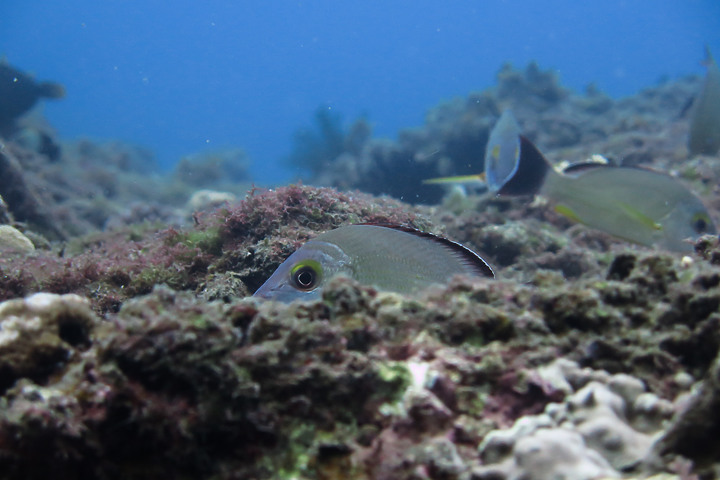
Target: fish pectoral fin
{"x":639,"y":216}
{"x":477,"y":178}
{"x":568,"y":212}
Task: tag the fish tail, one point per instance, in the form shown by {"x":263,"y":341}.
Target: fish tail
{"x":51,"y":90}
{"x":475,"y":178}
{"x":530,"y":171}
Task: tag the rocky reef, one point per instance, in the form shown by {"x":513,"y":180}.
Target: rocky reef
{"x":613,"y":375}
{"x":649,"y":128}
{"x":129,"y":347}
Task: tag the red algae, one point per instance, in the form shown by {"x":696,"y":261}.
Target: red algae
{"x":249,"y":239}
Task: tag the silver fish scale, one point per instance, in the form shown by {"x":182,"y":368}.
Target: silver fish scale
{"x":396,"y":259}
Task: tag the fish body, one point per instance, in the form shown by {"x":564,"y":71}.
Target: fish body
{"x":502,"y":151}
{"x":636,"y":204}
{"x":704,"y":136}
{"x":501,"y":155}
{"x":19,"y":92}
{"x":394,"y":258}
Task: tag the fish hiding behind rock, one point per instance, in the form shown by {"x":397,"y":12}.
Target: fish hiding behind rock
{"x":390,"y":257}
{"x":704,"y":137}
{"x":635,"y":204}
{"x":19,"y":92}
{"x":501,"y":154}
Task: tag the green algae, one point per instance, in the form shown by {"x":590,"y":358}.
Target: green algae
{"x":395,"y":378}
{"x":207,"y":240}
{"x":144,"y":281}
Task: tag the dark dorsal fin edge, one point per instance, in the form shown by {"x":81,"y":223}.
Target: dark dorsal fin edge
{"x":580,"y":167}
{"x":583,"y":167}
{"x":530,"y":172}
{"x":470,"y":257}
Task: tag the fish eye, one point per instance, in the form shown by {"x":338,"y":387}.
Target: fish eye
{"x":305,"y":275}
{"x":700,"y":222}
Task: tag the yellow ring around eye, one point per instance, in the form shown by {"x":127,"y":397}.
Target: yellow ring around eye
{"x":306,"y":275}
{"x":701,"y":222}
{"x":314,"y":264}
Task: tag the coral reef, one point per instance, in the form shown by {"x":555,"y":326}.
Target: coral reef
{"x":130,"y":348}
{"x":371,"y":384}
{"x":604,"y":428}
{"x":644,"y":129}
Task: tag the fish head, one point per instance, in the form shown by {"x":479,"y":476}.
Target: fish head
{"x":305,"y":272}
{"x":687,"y":222}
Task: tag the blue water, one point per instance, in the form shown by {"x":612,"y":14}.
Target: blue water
{"x":191,"y":76}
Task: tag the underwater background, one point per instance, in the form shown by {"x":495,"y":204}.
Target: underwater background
{"x":199,"y":76}
{"x":360,"y":241}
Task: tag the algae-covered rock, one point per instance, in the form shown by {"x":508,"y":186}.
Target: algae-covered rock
{"x":368,"y":383}
{"x":40,"y":334}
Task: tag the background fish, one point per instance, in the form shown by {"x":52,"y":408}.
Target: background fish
{"x":19,"y":92}
{"x":502,"y":151}
{"x":501,"y":154}
{"x":704,"y":137}
{"x":636,"y":204}
{"x":394,"y":258}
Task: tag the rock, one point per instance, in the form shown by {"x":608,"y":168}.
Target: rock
{"x":209,"y":199}
{"x":12,"y":240}
{"x":22,"y":201}
{"x":594,"y":422}
{"x":550,"y":453}
{"x":40,"y":333}
{"x":650,"y":412}
{"x":5,"y":216}
{"x":628,"y":387}
{"x":694,"y":432}
{"x":443,"y":459}
{"x":498,"y":444}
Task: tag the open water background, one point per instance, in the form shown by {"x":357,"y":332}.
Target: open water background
{"x":187,"y":77}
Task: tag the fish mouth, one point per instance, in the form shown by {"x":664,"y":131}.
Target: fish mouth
{"x":264,"y":292}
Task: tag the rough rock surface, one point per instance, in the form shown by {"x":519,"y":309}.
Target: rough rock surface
{"x":142,"y":357}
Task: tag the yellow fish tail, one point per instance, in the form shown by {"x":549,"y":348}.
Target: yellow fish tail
{"x":476,"y":178}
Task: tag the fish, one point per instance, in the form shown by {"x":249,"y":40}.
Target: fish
{"x":390,"y":257}
{"x":502,"y":151}
{"x":501,"y":154}
{"x":19,"y":92}
{"x":636,"y":204}
{"x":704,"y":135}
